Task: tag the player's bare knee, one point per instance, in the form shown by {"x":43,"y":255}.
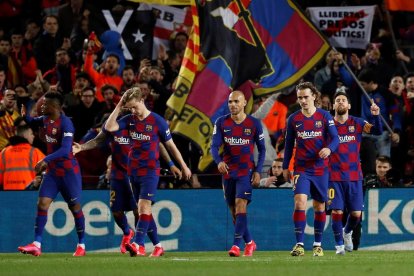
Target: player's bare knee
{"x":337,"y":212}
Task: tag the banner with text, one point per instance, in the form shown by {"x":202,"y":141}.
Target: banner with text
{"x":198,"y":220}
{"x":346,"y":27}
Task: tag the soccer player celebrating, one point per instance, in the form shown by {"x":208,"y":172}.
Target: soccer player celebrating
{"x":146,"y":129}
{"x":238,"y":132}
{"x":345,"y":180}
{"x":121,"y":196}
{"x":316,"y":138}
{"x":62,"y":171}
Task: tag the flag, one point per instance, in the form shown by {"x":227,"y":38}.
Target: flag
{"x":233,"y":42}
{"x":169,"y":21}
{"x":400,"y":5}
{"x":136,"y":29}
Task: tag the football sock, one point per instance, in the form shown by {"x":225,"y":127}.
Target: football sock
{"x":40,"y":223}
{"x":337,"y":228}
{"x":142,"y":228}
{"x":319,"y":225}
{"x":240,"y":228}
{"x":80,"y":225}
{"x":152,"y":232}
{"x":299,"y":220}
{"x":122,"y":222}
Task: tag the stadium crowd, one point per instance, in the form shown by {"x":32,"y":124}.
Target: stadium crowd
{"x":42,"y":49}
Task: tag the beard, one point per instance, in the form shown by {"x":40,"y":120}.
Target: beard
{"x":341,"y":110}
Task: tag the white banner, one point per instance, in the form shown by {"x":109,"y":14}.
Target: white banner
{"x":345,"y":27}
{"x":170,"y":20}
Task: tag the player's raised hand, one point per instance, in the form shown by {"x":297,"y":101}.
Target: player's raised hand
{"x":255,"y":179}
{"x":76,"y":148}
{"x":176,"y":172}
{"x":40,"y":167}
{"x":324,"y":153}
{"x":223,"y":168}
{"x":186,"y":173}
{"x":375,"y":110}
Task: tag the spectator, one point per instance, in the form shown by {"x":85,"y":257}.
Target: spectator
{"x":73,"y":98}
{"x":23,"y":97}
{"x":84,"y":114}
{"x":48,"y":42}
{"x":22,"y":63}
{"x":324,"y":74}
{"x":4,"y":52}
{"x":373,"y":145}
{"x":18,"y":160}
{"x":3,"y":82}
{"x":108,"y":75}
{"x":128,"y":77}
{"x":275,"y":179}
{"x":383,"y":177}
{"x":63,"y":74}
{"x":8,"y":113}
{"x":179,"y":43}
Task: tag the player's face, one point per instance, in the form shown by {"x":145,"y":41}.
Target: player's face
{"x":136,"y":107}
{"x":236,"y":103}
{"x":382,"y":168}
{"x":341,"y":105}
{"x":47,"y":107}
{"x":306,"y":99}
{"x":277,"y":168}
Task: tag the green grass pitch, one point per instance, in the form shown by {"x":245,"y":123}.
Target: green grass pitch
{"x":211,"y":263}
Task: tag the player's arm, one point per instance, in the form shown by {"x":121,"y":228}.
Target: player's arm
{"x":98,"y":141}
{"x":217,"y":141}
{"x":289,"y":144}
{"x":112,"y":124}
{"x":65,"y":148}
{"x":173,"y":168}
{"x":375,"y":125}
{"x":172,"y":148}
{"x":333,"y":138}
{"x":261,"y":148}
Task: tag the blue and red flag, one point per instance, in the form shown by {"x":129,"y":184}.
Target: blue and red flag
{"x":239,"y":44}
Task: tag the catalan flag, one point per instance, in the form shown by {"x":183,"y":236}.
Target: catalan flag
{"x":269,"y":42}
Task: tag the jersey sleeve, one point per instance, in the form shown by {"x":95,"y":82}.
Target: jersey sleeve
{"x":67,"y":139}
{"x":217,"y":141}
{"x":123,"y":122}
{"x":261,"y":148}
{"x":164,"y":130}
{"x":332,"y":133}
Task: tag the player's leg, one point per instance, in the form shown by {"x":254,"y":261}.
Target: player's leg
{"x":47,"y":192}
{"x":354,"y":204}
{"x":301,"y":189}
{"x":71,"y":190}
{"x":229,"y":188}
{"x":319,"y":193}
{"x":336,"y":205}
{"x":122,"y":200}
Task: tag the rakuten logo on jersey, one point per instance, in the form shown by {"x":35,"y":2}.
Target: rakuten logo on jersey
{"x":121,"y":140}
{"x":309,"y":134}
{"x":236,"y":141}
{"x":140,"y":136}
{"x":50,"y":139}
{"x":346,"y":138}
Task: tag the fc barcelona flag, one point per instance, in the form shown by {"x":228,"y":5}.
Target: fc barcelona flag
{"x":269,"y":42}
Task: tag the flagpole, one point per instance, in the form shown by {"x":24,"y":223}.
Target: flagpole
{"x":394,"y":41}
{"x":387,"y":126}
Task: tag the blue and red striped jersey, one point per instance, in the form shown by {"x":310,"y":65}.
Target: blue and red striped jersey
{"x":238,"y":141}
{"x":59,"y":139}
{"x":120,"y":143}
{"x":344,"y":163}
{"x":145,"y":135}
{"x":311,"y":134}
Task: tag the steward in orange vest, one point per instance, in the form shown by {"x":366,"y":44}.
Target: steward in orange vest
{"x":18,"y":160}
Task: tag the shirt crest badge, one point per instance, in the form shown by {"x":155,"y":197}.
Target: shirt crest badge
{"x":247,"y":131}
{"x":318,"y":124}
{"x":148,"y":127}
{"x":351,"y":128}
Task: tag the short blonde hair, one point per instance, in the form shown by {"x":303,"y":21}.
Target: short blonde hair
{"x":133,"y":93}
